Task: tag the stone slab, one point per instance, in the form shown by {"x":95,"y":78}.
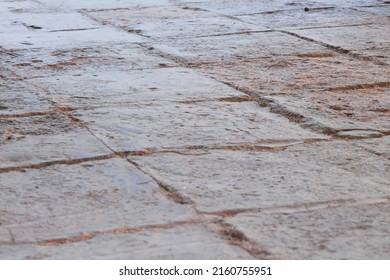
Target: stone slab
{"x":171,"y":24}
{"x":27,"y":39}
{"x":236,"y":47}
{"x":300,"y":71}
{"x":99,"y":88}
{"x":351,"y":3}
{"x":243,"y":7}
{"x":169,"y":244}
{"x":21,"y":98}
{"x":37,"y":139}
{"x":356,"y":113}
{"x":49,"y":22}
{"x":250,"y":178}
{"x":351,"y":38}
{"x":101,"y":4}
{"x":316,"y":17}
{"x":81,"y":60}
{"x":65,"y":201}
{"x":335,"y":233}
{"x":125,"y":17}
{"x":174,"y":125}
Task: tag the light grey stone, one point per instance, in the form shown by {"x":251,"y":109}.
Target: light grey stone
{"x":114,"y":88}
{"x":71,"y":63}
{"x":235,"y":47}
{"x":175,"y":125}
{"x":360,"y":232}
{"x":63,"y":201}
{"x":188,"y":242}
{"x":39,"y":139}
{"x":21,"y":98}
{"x":246,"y":179}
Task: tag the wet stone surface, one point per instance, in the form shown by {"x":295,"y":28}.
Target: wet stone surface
{"x":315,"y":17}
{"x":36,"y":139}
{"x":115,"y":88}
{"x":194,"y":129}
{"x":334,"y":233}
{"x":81,"y":61}
{"x":66,"y":201}
{"x":172,"y":22}
{"x":235,"y":47}
{"x":21,"y":98}
{"x":250,"y":177}
{"x":170,"y":125}
{"x":149,"y":244}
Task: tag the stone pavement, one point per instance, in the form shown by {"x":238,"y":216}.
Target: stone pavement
{"x":194,"y":129}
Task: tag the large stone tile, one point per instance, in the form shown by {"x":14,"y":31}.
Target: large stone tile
{"x":172,"y":22}
{"x":182,"y":243}
{"x":360,"y":232}
{"x":319,"y":17}
{"x":242,"y":7}
{"x":49,"y":22}
{"x":30,"y":39}
{"x":100,"y":4}
{"x":350,"y":3}
{"x":38,"y":139}
{"x":64,"y":201}
{"x":139,"y":15}
{"x":236,"y":47}
{"x":21,"y":98}
{"x":300,"y":71}
{"x":223,"y":180}
{"x":100,"y":88}
{"x":351,"y":113}
{"x":81,"y":60}
{"x":175,"y":125}
{"x":352,"y":37}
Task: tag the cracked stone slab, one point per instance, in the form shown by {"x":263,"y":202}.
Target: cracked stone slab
{"x":335,"y":233}
{"x":65,"y":201}
{"x":171,"y":24}
{"x":117,"y":87}
{"x":81,"y":60}
{"x":256,"y":178}
{"x":242,"y":7}
{"x":171,"y":243}
{"x":353,"y":113}
{"x":180,"y":124}
{"x":37,"y":139}
{"x":298,"y":72}
{"x":71,"y":39}
{"x":21,"y":98}
{"x":316,"y":17}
